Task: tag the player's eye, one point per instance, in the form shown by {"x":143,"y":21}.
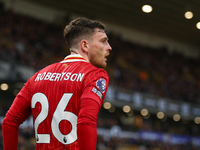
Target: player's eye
{"x":104,"y":40}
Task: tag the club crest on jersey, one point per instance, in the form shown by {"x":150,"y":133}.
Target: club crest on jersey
{"x":101,"y":84}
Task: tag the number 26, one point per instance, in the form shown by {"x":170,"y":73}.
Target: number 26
{"x":59,"y":115}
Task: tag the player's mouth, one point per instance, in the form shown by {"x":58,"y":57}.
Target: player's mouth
{"x":106,"y":57}
{"x":107,"y":54}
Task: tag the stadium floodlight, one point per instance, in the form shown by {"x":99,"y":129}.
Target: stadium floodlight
{"x":198,"y":25}
{"x":107,"y":105}
{"x":197,"y":120}
{"x":188,"y":15}
{"x":160,"y":115}
{"x":144,"y":112}
{"x":4,"y":86}
{"x":126,"y":108}
{"x":147,"y":8}
{"x":176,"y":117}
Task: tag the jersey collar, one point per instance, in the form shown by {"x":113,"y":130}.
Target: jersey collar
{"x":73,"y":58}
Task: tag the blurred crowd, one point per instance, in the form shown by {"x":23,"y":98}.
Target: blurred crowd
{"x":34,"y":43}
{"x":154,"y":71}
{"x":28,"y":41}
{"x":26,"y":141}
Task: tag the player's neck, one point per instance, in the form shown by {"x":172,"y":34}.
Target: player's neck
{"x":83,"y":55}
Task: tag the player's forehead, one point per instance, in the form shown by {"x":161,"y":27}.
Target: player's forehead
{"x":100,"y":30}
{"x":100,"y":33}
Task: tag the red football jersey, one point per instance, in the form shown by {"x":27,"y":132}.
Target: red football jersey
{"x":54,"y":94}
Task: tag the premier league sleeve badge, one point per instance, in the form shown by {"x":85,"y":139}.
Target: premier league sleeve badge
{"x":101,"y":84}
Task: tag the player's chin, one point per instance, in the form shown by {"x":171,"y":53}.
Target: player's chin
{"x":102,"y":65}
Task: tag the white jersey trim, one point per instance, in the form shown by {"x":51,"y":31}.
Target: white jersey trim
{"x":73,"y":58}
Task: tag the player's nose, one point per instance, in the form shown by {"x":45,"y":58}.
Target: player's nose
{"x":109,"y":47}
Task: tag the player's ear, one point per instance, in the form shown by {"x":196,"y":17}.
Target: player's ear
{"x":84,"y":45}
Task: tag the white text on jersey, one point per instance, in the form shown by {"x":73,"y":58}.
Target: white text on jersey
{"x":60,"y":76}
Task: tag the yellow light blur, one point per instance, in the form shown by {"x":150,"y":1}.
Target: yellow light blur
{"x":144,"y":112}
{"x":198,"y":25}
{"x":147,"y":8}
{"x":160,"y":115}
{"x":4,"y":86}
{"x":197,"y":120}
{"x":126,"y":108}
{"x":107,"y":105}
{"x":188,"y":15}
{"x":176,"y":117}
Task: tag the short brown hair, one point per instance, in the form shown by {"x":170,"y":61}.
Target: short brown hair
{"x":80,"y":27}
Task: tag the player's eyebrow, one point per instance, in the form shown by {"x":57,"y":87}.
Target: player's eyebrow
{"x":105,"y":38}
{"x":101,"y":31}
